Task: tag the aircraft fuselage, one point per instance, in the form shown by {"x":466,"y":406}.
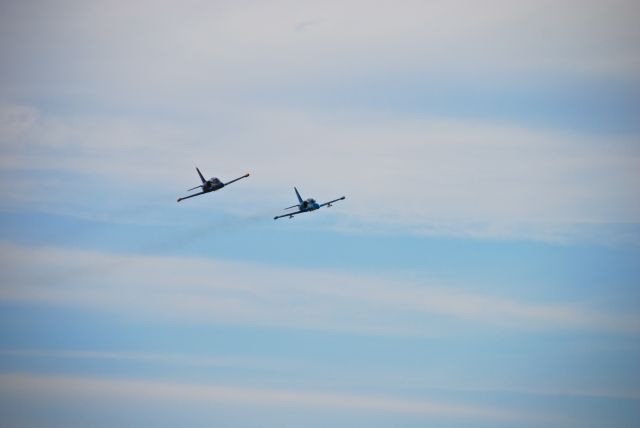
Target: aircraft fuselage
{"x":309,"y":205}
{"x":212,"y":184}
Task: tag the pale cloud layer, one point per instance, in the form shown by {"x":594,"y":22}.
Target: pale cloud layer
{"x":398,"y":375}
{"x":197,"y":290}
{"x":435,"y":176}
{"x":230,"y":45}
{"x":230,"y":86}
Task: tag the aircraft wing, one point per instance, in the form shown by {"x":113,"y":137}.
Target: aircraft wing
{"x":287,"y":215}
{"x":330,"y":202}
{"x":239,"y":178}
{"x":191,"y":196}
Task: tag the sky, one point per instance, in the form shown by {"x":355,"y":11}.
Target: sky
{"x":483,"y":270}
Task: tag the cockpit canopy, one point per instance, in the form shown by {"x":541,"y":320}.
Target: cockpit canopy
{"x":214,"y":180}
{"x":311,"y":201}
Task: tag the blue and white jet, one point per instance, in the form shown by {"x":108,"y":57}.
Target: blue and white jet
{"x":210,"y":185}
{"x":306,"y":206}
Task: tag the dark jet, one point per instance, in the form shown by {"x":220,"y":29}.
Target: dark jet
{"x":306,"y":206}
{"x":210,"y":185}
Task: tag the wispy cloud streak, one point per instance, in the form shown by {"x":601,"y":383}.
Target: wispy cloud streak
{"x":283,"y":365}
{"x":213,"y":291}
{"x":173,"y":359}
{"x":428,"y":176}
{"x":98,"y":388}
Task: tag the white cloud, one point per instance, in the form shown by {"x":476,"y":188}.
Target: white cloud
{"x":216,"y":46}
{"x":433,"y":176}
{"x":223,"y":65}
{"x":196,"y":290}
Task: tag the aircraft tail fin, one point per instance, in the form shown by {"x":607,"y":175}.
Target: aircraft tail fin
{"x":298,"y":195}
{"x":201,"y":177}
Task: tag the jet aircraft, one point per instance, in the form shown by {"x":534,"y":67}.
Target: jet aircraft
{"x":306,"y":206}
{"x":210,"y":185}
